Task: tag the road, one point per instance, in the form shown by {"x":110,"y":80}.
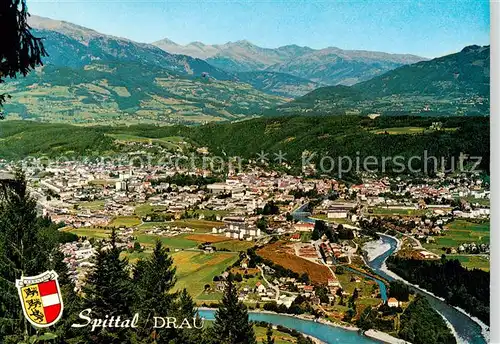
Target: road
{"x":276,"y":289}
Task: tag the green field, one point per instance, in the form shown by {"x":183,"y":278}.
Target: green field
{"x":144,"y":209}
{"x":125,"y":221}
{"x":472,"y":262}
{"x":195,"y":269}
{"x":92,"y":205}
{"x":480,"y":201}
{"x":90,"y":232}
{"x":407,"y":130}
{"x":172,"y":142}
{"x":325,"y":218}
{"x":234,"y":245}
{"x":176,"y":242}
{"x":135,"y":256}
{"x":279,"y":337}
{"x":199,"y":226}
{"x":459,"y":232}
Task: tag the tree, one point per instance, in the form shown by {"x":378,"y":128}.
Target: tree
{"x":185,"y":308}
{"x":231,"y":324}
{"x":28,"y":246}
{"x":322,"y":293}
{"x":399,"y":290}
{"x":23,"y":251}
{"x":153,"y":279}
{"x":262,"y":223}
{"x":355,"y":294}
{"x":20,"y":51}
{"x":269,"y":336}
{"x":109,"y":291}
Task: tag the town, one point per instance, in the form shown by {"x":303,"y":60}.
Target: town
{"x":296,"y":244}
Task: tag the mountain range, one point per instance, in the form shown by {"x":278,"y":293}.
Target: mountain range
{"x":93,"y":78}
{"x":456,"y":84}
{"x":329,"y":66}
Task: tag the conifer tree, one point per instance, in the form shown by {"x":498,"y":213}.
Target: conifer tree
{"x":109,"y":292}
{"x":72,"y":303}
{"x":20,"y":51}
{"x":153,"y":279}
{"x":23,"y":252}
{"x":231,"y":324}
{"x":185,"y":308}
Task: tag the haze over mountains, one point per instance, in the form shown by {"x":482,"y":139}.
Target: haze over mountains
{"x":329,"y":66}
{"x":92,"y":78}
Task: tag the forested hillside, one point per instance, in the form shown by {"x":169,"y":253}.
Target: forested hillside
{"x":456,"y":84}
{"x":333,"y":136}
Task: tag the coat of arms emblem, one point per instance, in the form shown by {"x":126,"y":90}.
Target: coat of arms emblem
{"x":41,"y":298}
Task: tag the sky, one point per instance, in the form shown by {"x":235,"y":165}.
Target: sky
{"x":426,"y":28}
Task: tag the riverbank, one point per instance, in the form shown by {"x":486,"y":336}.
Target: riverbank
{"x":302,"y":317}
{"x":373,"y":334}
{"x":298,"y":316}
{"x":384,"y":337}
{"x":485,"y":330}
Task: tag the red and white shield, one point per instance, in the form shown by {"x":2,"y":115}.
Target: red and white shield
{"x":41,"y":298}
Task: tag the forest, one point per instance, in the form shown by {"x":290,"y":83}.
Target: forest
{"x":459,"y":286}
{"x":420,"y":324}
{"x":334,"y":136}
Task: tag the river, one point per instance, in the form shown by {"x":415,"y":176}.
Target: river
{"x":465,"y":329}
{"x":326,"y":333}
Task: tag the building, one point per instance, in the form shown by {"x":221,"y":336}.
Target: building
{"x":392,"y":302}
{"x":238,"y":228}
{"x":339,"y":210}
{"x":295,"y":237}
{"x":304,"y":227}
{"x":219,"y":188}
{"x":260,"y":288}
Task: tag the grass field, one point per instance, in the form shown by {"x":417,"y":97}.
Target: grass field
{"x":326,"y":219}
{"x":90,"y":232}
{"x":234,"y":245}
{"x":472,"y":262}
{"x":460,"y":232}
{"x":172,"y":142}
{"x":280,"y":255}
{"x":207,"y":238}
{"x":195,"y":269}
{"x":144,"y":209}
{"x":200,"y":226}
{"x":125,"y":221}
{"x":480,"y":201}
{"x":279,"y":337}
{"x":406,"y":130}
{"x":92,"y":205}
{"x":135,"y":256}
{"x":176,"y":242}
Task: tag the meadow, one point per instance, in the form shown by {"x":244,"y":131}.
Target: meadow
{"x":460,"y":232}
{"x":195,"y":269}
{"x":406,"y":130}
